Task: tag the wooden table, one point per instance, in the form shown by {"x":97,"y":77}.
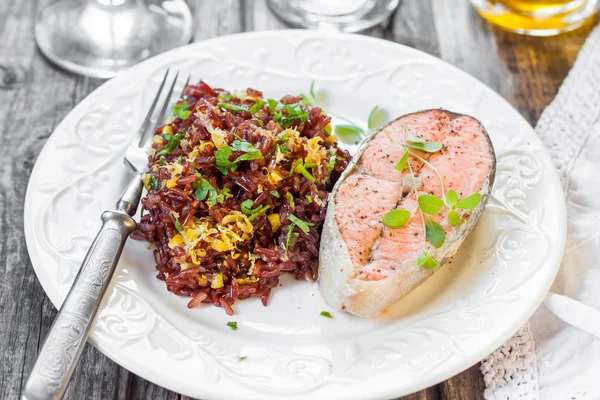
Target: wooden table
{"x":35,"y":96}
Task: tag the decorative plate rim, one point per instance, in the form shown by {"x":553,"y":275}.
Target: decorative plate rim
{"x":388,"y":391}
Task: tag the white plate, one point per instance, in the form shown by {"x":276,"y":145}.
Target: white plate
{"x":454,"y":319}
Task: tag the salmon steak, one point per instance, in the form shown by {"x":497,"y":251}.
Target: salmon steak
{"x":413,"y":192}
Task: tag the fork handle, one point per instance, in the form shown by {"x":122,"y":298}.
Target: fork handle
{"x":67,"y":337}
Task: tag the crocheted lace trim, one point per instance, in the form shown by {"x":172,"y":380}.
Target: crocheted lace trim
{"x":510,"y":372}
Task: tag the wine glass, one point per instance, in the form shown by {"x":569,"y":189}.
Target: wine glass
{"x":99,"y":38}
{"x":340,"y":15}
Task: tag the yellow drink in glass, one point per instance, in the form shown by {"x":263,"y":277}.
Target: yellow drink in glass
{"x":538,"y":17}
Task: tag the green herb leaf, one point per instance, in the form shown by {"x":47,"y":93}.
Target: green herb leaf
{"x":232,"y":107}
{"x":402,"y":163}
{"x":331,"y":163}
{"x":415,"y":139}
{"x":222,"y":160}
{"x":178,"y":226}
{"x":203,"y":187}
{"x":179,"y":159}
{"x":306,"y":100}
{"x":162,"y":159}
{"x":326,"y":314}
{"x":256,"y":107}
{"x":429,"y":147}
{"x":181,"y":109}
{"x":258,"y":212}
{"x":434,"y":233}
{"x":232,"y":325}
{"x":287,"y":114}
{"x":246,"y":206}
{"x":243,"y":358}
{"x":453,"y":217}
{"x":154,"y":182}
{"x":274,"y":193}
{"x":451,"y":198}
{"x":289,"y":238}
{"x":349,"y":132}
{"x":290,"y":199}
{"x":305,"y":173}
{"x":426,"y":261}
{"x":312,"y":90}
{"x":309,"y":198}
{"x":470,"y":202}
{"x":141,"y":212}
{"x":225,"y":96}
{"x":213,"y":198}
{"x":172,"y":142}
{"x":396,"y":218}
{"x":430,"y":204}
{"x":294,"y":166}
{"x":376,"y":118}
{"x":303,"y":225}
{"x":226,"y":192}
{"x":327,"y":130}
{"x":249,"y":156}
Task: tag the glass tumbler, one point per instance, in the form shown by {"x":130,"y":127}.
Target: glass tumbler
{"x":339,"y":15}
{"x":538,"y":17}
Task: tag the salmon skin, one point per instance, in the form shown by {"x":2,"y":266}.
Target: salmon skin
{"x":365,"y":266}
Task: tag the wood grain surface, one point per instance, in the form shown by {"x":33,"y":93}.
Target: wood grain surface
{"x":35,"y":96}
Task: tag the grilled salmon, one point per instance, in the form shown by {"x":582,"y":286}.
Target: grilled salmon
{"x":441,"y":186}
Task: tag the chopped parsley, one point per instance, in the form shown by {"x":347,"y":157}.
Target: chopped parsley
{"x":309,"y":198}
{"x":204,"y":190}
{"x":294,"y":165}
{"x":326,"y":314}
{"x":287,"y":114}
{"x":225,"y":96}
{"x":222,"y":160}
{"x":181,"y":109}
{"x":305,"y":173}
{"x":247,"y":206}
{"x":242,"y":358}
{"x":274,"y":193}
{"x":179,"y":159}
{"x":232,"y":325}
{"x":303,"y":225}
{"x":172,"y":142}
{"x":251,"y":152}
{"x":178,"y":226}
{"x":232,"y":107}
{"x":257,"y":106}
{"x":290,"y":199}
{"x":202,"y":187}
{"x":153,"y":182}
{"x":290,"y":237}
{"x":331,"y":163}
{"x":247,"y":209}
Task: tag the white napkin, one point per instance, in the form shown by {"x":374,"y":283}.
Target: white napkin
{"x":556,"y":356}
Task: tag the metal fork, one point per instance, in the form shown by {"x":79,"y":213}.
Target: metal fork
{"x":67,"y":337}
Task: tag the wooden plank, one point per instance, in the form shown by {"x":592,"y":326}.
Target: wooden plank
{"x":468,"y":385}
{"x":536,"y":67}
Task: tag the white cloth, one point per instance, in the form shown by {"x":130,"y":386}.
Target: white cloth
{"x":550,"y":359}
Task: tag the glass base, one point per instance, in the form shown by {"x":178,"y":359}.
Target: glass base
{"x":538,"y":17}
{"x":338,"y":15}
{"x":99,"y":38}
